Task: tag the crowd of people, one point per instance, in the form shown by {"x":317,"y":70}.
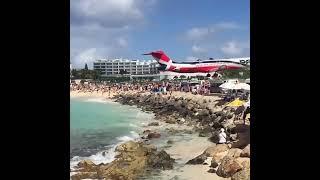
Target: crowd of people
{"x":202,"y":88}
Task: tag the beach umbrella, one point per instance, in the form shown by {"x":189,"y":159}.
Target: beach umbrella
{"x":243,"y":86}
{"x":236,"y":103}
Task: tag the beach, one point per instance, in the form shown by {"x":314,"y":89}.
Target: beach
{"x":177,"y":126}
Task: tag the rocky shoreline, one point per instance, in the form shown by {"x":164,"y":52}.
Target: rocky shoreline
{"x":204,"y":116}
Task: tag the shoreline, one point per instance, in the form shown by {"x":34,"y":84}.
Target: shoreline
{"x":182,"y":150}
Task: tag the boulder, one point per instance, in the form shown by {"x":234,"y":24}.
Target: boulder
{"x":86,"y":166}
{"x":243,"y":140}
{"x":211,"y":170}
{"x":234,"y":152}
{"x":228,"y":167}
{"x":214,"y":164}
{"x":171,"y":120}
{"x":154,"y":135}
{"x":129,"y":146}
{"x":243,"y":161}
{"x":160,"y":160}
{"x":246,"y":151}
{"x":153,"y":124}
{"x":244,"y":174}
{"x":85,"y":175}
{"x":198,"y":160}
{"x":233,"y":137}
{"x":211,"y":151}
{"x":169,"y":142}
{"x":206,"y":131}
{"x":146,"y":131}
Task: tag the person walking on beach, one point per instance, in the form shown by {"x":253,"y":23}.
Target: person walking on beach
{"x":222,"y":137}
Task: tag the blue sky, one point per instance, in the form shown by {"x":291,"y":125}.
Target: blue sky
{"x":184,"y":29}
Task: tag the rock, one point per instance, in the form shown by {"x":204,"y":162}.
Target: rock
{"x":169,"y":142}
{"x":211,"y":151}
{"x":246,"y":151}
{"x":198,"y":160}
{"x":243,"y":140}
{"x":154,"y":135}
{"x":234,"y":152}
{"x":127,"y":147}
{"x":153,"y":124}
{"x":219,"y":156}
{"x":211,"y":171}
{"x":206,"y":132}
{"x":229,"y":116}
{"x":205,"y":163}
{"x":86,"y":166}
{"x":182,"y":120}
{"x":228,"y":167}
{"x":214,"y":164}
{"x":161,"y":160}
{"x":244,"y":174}
{"x":243,"y":161}
{"x":146,"y":131}
{"x":85,"y":175}
{"x":171,"y":120}
{"x":233,"y":137}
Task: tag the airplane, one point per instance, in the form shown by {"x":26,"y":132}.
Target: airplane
{"x":199,"y":66}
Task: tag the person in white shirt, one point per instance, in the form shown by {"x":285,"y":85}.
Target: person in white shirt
{"x":222,"y":137}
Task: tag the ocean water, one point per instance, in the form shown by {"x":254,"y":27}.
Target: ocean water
{"x":98,"y":126}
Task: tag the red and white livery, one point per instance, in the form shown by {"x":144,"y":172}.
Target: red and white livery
{"x":203,"y":66}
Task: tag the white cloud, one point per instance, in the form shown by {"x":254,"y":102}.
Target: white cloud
{"x":108,"y":13}
{"x":197,"y":33}
{"x":202,"y":33}
{"x":232,"y":48}
{"x":85,"y":56}
{"x":191,"y":58}
{"x":101,"y":27}
{"x":198,"y":49}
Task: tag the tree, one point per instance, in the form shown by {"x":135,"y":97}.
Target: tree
{"x":86,"y":67}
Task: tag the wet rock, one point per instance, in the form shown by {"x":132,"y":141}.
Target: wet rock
{"x":211,"y":170}
{"x":206,"y":131}
{"x":154,"y":135}
{"x":153,"y":124}
{"x":214,"y":164}
{"x":228,"y":167}
{"x":146,"y":131}
{"x":161,"y":160}
{"x":246,"y":151}
{"x":129,"y":146}
{"x":85,"y":175}
{"x":169,"y":142}
{"x":198,"y":160}
{"x":86,"y":166}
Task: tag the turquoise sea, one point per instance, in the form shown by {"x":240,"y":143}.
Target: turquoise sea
{"x":97,"y":126}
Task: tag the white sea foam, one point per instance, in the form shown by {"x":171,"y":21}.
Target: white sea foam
{"x":104,"y":156}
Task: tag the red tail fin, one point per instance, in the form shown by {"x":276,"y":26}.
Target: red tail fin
{"x":160,"y":56}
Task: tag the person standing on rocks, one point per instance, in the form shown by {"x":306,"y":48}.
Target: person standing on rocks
{"x":222,"y":137}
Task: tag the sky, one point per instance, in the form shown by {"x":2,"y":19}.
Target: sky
{"x":185,"y":30}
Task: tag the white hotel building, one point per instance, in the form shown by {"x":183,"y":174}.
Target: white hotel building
{"x":109,"y":67}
